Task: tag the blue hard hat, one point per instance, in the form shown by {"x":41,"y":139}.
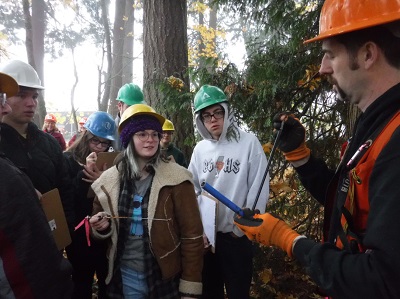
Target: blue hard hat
{"x":101,"y":124}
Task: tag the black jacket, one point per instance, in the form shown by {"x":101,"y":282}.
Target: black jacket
{"x":83,"y":204}
{"x":176,"y":153}
{"x":374,"y":274}
{"x":29,"y":258}
{"x":40,"y":157}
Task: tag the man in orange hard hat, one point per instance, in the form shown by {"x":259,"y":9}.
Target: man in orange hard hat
{"x":50,"y":127}
{"x":360,"y":256}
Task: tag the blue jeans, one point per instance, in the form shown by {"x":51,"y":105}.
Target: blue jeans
{"x":134,"y":284}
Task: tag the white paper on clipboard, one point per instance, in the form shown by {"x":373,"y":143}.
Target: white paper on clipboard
{"x":209,"y":210}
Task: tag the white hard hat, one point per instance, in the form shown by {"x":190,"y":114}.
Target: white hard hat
{"x":23,"y":73}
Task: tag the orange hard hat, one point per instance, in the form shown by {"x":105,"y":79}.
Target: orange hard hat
{"x":50,"y":118}
{"x":83,"y":120}
{"x":342,"y":16}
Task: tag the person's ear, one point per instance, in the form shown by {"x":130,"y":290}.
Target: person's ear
{"x":370,"y":53}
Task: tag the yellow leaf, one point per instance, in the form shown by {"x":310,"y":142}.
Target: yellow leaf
{"x":267,"y":147}
{"x":266,"y":275}
{"x":280,"y":186}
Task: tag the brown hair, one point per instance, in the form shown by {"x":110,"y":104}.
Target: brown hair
{"x":386,"y":39}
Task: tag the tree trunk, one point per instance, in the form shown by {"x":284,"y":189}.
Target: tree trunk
{"x":38,"y":30}
{"x":118,"y":49}
{"x":73,"y":111}
{"x":35,"y":27}
{"x":213,"y":25}
{"x":165,"y":53}
{"x":127,"y":59}
{"x":107,"y":76}
{"x":165,"y":49}
{"x":200,"y":38}
{"x":28,"y":33}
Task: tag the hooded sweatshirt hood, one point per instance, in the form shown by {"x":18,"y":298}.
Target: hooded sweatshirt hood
{"x":203,"y":130}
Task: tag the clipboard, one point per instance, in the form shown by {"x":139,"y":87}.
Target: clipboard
{"x":103,"y":157}
{"x":208,"y":206}
{"x":106,"y":157}
{"x":52,"y":207}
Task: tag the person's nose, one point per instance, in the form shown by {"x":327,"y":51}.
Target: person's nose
{"x":152,"y":138}
{"x":6,"y":109}
{"x":30,"y":101}
{"x":325,"y":68}
{"x":213,"y":118}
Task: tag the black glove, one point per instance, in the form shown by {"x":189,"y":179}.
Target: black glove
{"x":248,"y":214}
{"x":293,"y":133}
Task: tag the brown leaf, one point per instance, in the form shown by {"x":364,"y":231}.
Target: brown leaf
{"x":266,"y":275}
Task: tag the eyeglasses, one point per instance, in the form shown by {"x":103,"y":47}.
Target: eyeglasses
{"x":169,"y":133}
{"x":96,"y":142}
{"x":207,"y":117}
{"x":144,"y":136}
{"x":3,"y":99}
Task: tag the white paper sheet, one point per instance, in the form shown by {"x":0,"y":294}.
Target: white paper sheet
{"x":208,"y":210}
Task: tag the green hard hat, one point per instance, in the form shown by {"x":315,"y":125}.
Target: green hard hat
{"x":130,"y":94}
{"x":208,"y":95}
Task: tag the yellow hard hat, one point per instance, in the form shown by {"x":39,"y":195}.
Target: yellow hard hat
{"x":168,"y":126}
{"x":138,"y":109}
{"x":343,"y":16}
{"x":8,"y":85}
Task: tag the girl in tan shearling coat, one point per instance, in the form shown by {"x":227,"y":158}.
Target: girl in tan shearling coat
{"x":146,"y":207}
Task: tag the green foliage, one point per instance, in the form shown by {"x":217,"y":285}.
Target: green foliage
{"x":177,"y":100}
{"x":12,"y":20}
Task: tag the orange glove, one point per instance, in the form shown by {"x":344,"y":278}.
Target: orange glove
{"x":299,"y":153}
{"x":268,"y":230}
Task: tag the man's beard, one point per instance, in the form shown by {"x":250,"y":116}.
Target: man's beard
{"x":340,"y":94}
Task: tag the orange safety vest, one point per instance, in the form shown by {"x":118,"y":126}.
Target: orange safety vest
{"x":356,"y":207}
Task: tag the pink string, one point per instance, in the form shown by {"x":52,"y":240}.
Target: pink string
{"x":86,"y":222}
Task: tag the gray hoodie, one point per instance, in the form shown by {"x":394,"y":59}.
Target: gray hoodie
{"x":242,"y":165}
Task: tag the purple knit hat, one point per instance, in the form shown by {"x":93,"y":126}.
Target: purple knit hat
{"x":136,"y":124}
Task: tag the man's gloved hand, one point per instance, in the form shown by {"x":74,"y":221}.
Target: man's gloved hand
{"x":270,"y":232}
{"x":292,"y":138}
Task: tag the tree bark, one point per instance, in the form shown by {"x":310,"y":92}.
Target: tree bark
{"x":35,"y":27}
{"x":73,"y":111}
{"x":107,"y":76}
{"x":28,"y":32}
{"x":38,"y":30}
{"x":118,"y":48}
{"x":127,"y":58}
{"x":165,"y":49}
{"x":165,"y":53}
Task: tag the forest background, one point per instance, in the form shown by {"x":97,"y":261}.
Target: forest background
{"x":183,"y":45}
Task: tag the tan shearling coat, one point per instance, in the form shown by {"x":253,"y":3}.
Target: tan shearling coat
{"x":176,"y":240}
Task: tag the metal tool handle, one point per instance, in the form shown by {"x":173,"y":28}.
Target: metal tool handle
{"x":214,"y":192}
{"x":273,"y":150}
